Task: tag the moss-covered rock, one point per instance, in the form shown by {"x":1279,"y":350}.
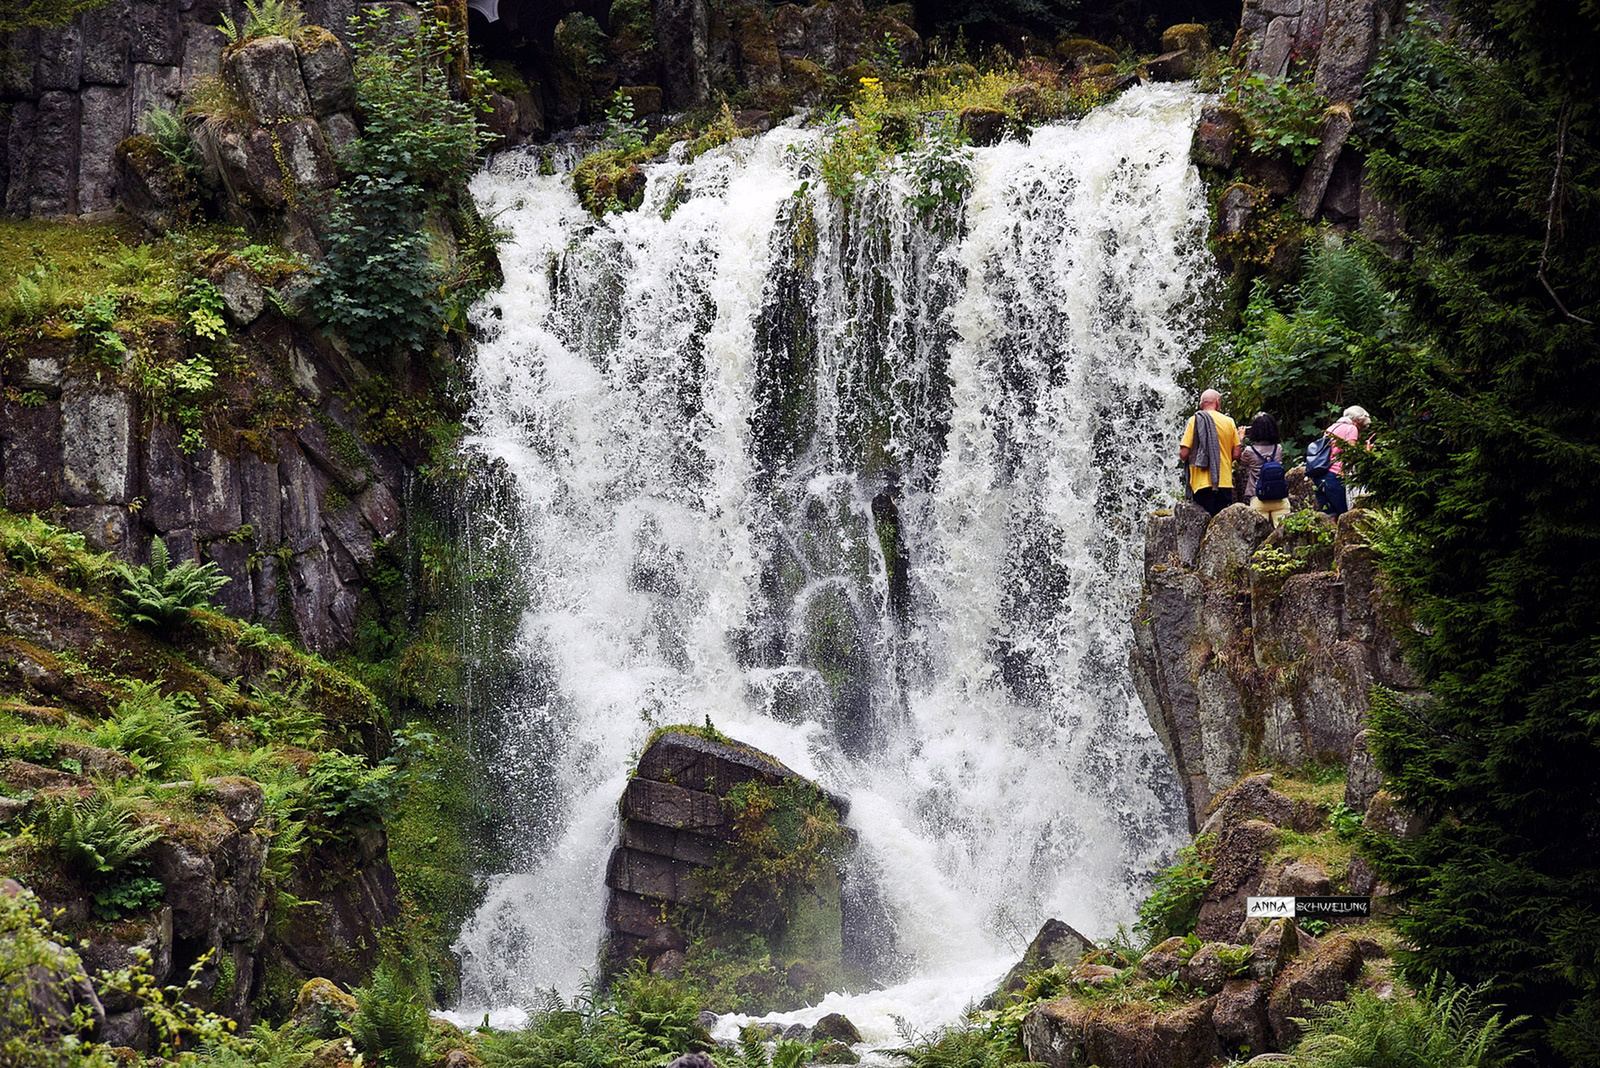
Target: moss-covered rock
{"x":728,"y":854}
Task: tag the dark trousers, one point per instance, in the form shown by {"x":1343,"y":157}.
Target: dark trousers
{"x":1213,"y":500}
{"x":1330,"y":495}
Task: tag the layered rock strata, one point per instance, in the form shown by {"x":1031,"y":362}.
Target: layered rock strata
{"x":681,"y":829}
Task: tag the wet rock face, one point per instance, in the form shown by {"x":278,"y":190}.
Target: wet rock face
{"x":1256,"y":646}
{"x":684,"y":833}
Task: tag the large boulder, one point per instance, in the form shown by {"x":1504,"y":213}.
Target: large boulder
{"x":266,"y":74}
{"x":1055,"y":944}
{"x":1312,"y":981}
{"x":1068,"y":1033}
{"x":697,"y":847}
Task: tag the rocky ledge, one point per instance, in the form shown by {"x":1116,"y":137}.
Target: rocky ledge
{"x":1256,"y":647}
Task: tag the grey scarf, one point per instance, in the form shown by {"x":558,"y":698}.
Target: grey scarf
{"x":1206,"y":452}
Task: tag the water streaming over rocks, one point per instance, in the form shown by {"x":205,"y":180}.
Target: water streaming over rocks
{"x":866,"y":490}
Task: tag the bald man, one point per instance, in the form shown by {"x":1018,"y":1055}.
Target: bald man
{"x":1210,"y":445}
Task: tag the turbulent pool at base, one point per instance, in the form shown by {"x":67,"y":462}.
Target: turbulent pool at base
{"x":866,"y":489}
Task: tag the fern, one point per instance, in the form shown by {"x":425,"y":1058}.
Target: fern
{"x":391,"y":1025}
{"x":97,"y":836}
{"x":269,"y":18}
{"x":1442,"y":1026}
{"x":152,"y":729}
{"x":161,"y":597}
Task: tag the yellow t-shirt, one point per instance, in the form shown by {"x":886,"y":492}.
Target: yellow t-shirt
{"x":1227,"y":441}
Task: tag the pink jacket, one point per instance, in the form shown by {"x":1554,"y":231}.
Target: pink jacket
{"x":1346,"y":431}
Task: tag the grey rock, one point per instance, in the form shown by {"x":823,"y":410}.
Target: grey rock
{"x":1272,"y":60}
{"x":1350,"y":39}
{"x":328,"y":73}
{"x":1172,"y":67}
{"x":1055,"y":944}
{"x":243,"y":298}
{"x":157,"y":33}
{"x":301,"y":487}
{"x":202,"y":54}
{"x":107,"y":118}
{"x":42,"y":373}
{"x":1336,"y":125}
{"x":835,"y":1027}
{"x":1364,"y":778}
{"x":97,"y":461}
{"x":108,"y":44}
{"x":155,"y":87}
{"x":1235,"y":208}
{"x":1240,"y":1015}
{"x":43,"y":150}
{"x":264,"y":589}
{"x":30,"y":454}
{"x":305,"y":156}
{"x":1230,"y":541}
{"x":1207,"y":970}
{"x":324,"y":608}
{"x":168,"y":482}
{"x":259,"y":503}
{"x":339,"y":130}
{"x":1216,"y":137}
{"x":108,"y":528}
{"x":1162,"y":959}
{"x":1273,"y":949}
{"x":60,"y":58}
{"x":1310,"y":982}
{"x":266,"y":72}
{"x":237,"y":597}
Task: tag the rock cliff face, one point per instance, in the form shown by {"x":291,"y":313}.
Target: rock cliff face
{"x":1255,"y":646}
{"x":293,"y":514}
{"x":71,"y":94}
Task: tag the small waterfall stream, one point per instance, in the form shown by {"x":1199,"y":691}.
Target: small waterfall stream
{"x":864,"y":488}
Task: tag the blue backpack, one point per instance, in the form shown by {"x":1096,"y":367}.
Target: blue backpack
{"x":1271,"y":485}
{"x":1319,"y":457}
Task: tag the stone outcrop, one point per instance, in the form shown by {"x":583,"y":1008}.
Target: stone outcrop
{"x":1056,"y":944}
{"x":294,"y":517}
{"x":1255,"y":646}
{"x":693,"y":821}
{"x":72,"y":93}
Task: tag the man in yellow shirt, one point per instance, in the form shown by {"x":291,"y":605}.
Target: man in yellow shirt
{"x":1210,"y":445}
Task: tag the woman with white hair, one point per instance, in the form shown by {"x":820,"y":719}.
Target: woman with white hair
{"x":1349,"y":428}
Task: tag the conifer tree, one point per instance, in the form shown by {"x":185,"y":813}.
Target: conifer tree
{"x":1489,"y":456}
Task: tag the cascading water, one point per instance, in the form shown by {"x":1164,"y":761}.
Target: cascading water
{"x":864,"y":488}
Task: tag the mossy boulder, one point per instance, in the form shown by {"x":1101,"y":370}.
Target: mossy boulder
{"x":323,"y":1009}
{"x":1081,"y":52}
{"x":723,"y":840}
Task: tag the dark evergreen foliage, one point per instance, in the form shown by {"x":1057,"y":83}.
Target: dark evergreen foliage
{"x":1489,"y":446}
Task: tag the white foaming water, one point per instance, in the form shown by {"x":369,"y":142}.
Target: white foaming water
{"x":708,"y":411}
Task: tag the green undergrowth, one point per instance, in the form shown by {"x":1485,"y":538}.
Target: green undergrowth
{"x":887,"y":113}
{"x":121,"y":734}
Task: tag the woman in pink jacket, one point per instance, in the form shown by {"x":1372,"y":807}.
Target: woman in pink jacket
{"x":1349,"y":428}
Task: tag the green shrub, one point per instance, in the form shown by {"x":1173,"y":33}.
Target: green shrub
{"x":1441,"y":1026}
{"x":31,"y":545}
{"x":154,"y":730}
{"x":161,"y":597}
{"x":344,"y":788}
{"x":129,"y":895}
{"x":1173,"y":906}
{"x":1280,"y":115}
{"x":27,"y":943}
{"x":957,"y":1047}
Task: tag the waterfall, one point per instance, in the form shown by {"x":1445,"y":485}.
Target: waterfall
{"x":864,"y":486}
